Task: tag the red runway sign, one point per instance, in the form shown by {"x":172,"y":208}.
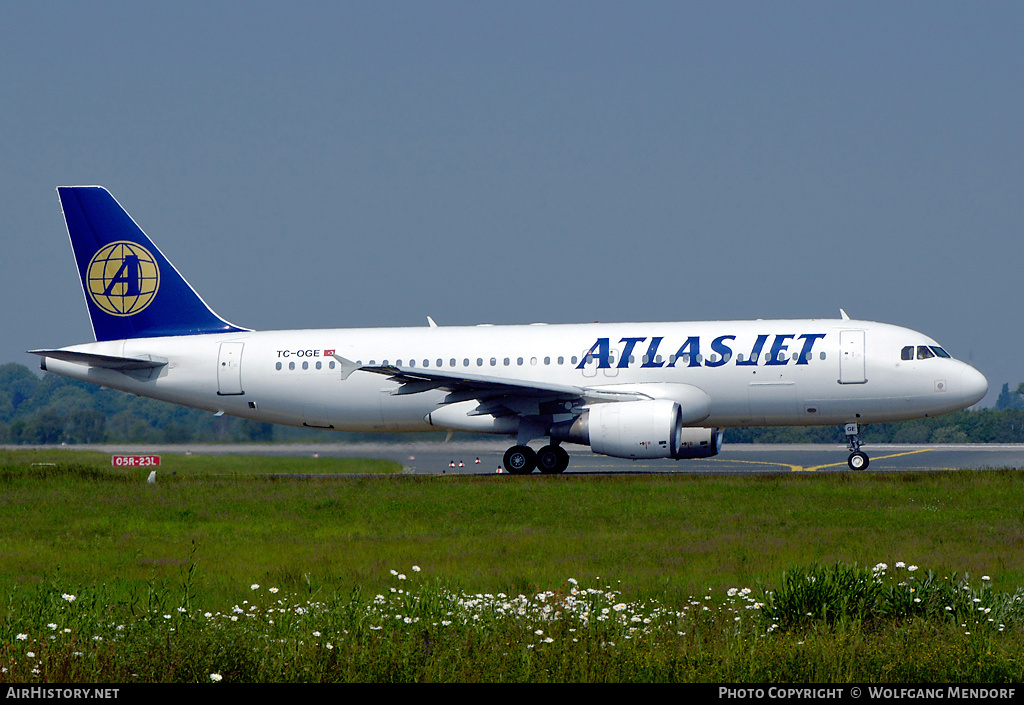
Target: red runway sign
{"x":135,"y":461}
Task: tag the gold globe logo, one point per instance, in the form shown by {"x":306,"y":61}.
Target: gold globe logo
{"x":122,"y":278}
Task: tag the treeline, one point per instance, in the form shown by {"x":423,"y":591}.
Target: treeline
{"x":55,"y":410}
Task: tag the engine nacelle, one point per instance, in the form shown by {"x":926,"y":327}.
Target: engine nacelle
{"x":639,"y":429}
{"x":699,"y":443}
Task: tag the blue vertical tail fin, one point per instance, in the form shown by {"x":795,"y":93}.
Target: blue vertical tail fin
{"x":131,"y":289}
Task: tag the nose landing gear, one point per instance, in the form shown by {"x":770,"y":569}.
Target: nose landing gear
{"x":858,"y":459}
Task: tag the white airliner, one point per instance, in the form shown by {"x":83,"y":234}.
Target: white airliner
{"x":629,"y":390}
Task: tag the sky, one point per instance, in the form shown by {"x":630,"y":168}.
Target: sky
{"x":354,"y":164}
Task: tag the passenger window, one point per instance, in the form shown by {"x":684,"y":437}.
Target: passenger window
{"x":291,"y":365}
{"x":331,"y":364}
{"x":279,"y":365}
{"x":305,"y":365}
{"x":923,"y":353}
{"x":319,"y":364}
{"x":907,"y":353}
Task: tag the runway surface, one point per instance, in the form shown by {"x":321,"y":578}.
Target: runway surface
{"x":737,"y":459}
{"x":484,"y":457}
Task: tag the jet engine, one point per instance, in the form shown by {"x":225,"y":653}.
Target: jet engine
{"x":639,"y":429}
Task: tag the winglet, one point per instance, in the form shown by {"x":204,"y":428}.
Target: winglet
{"x":347,"y":366}
{"x":843,"y":314}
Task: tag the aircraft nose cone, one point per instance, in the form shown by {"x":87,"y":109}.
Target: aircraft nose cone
{"x":973,"y":385}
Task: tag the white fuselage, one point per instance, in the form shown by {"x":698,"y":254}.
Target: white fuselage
{"x":770,"y":372}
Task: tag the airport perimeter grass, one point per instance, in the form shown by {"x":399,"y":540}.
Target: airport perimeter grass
{"x":570,"y":578}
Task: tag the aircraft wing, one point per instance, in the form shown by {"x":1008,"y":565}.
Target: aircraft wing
{"x":462,"y":386}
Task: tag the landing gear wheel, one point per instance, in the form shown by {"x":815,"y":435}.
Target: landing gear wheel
{"x":520,"y":460}
{"x":552,"y":460}
{"x":858,"y":461}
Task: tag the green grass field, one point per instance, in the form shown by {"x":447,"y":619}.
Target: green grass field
{"x":662,"y":548}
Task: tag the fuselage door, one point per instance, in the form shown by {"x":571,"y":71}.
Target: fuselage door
{"x":851,"y":357}
{"x":229,"y":369}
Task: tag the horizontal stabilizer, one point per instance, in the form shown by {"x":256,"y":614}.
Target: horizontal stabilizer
{"x":109,"y":362}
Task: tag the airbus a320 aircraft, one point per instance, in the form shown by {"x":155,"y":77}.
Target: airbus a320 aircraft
{"x":629,"y":390}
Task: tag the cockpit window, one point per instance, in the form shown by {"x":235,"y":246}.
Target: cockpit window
{"x":907,"y":353}
{"x":923,"y":352}
{"x":939,"y":351}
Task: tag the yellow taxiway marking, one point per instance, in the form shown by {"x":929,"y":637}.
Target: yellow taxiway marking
{"x":800,"y":468}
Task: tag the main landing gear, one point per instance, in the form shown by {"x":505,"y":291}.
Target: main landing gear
{"x":858,"y":459}
{"x":522,"y":459}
